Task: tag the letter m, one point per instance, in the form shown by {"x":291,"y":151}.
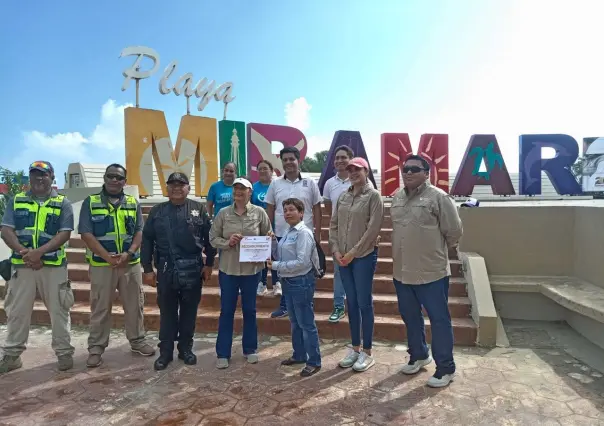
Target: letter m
{"x":396,"y":147}
{"x":148,"y":142}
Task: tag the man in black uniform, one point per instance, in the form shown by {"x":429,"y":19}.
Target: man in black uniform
{"x":175,"y":234}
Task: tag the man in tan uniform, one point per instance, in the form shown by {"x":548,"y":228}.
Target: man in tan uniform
{"x":111,"y":225}
{"x":425,"y":225}
{"x":36,"y":226}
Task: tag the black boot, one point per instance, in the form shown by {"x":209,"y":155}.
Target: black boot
{"x":188,"y":357}
{"x":162,"y":362}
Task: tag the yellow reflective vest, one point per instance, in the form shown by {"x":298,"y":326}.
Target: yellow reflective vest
{"x":112,"y":227}
{"x":36,"y":224}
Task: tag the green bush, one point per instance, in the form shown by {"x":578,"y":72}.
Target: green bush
{"x":15,"y":183}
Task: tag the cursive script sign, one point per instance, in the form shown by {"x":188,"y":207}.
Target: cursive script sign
{"x":203,"y":90}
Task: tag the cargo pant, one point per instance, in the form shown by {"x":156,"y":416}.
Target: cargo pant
{"x":53,"y":286}
{"x":104,"y":280}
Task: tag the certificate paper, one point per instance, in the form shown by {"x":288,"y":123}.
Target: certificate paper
{"x":254,"y":249}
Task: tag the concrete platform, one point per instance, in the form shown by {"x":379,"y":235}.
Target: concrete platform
{"x":535,"y":382}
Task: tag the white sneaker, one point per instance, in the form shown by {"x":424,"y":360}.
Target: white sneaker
{"x":364,"y":363}
{"x":261,"y":290}
{"x":252,"y":358}
{"x":222,"y":363}
{"x":350,"y":358}
{"x":414,"y":367}
{"x":277,"y":290}
{"x":440,"y":381}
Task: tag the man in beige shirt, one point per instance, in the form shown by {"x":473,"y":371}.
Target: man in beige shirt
{"x":426,"y":224}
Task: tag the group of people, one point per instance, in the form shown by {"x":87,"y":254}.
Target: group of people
{"x":175,"y":249}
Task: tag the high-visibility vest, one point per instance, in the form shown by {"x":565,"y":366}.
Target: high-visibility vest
{"x":112,"y":227}
{"x":36,"y":224}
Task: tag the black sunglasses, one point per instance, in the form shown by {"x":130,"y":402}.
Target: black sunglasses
{"x":413,"y":169}
{"x":116,"y":177}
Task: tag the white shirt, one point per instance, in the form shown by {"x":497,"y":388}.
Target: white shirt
{"x":305,"y":190}
{"x":334,"y":187}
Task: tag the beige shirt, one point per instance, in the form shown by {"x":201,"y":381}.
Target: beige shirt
{"x":356,"y":223}
{"x":426,"y":223}
{"x":253,"y":222}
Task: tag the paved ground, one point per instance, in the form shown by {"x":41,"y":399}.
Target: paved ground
{"x":536,"y":382}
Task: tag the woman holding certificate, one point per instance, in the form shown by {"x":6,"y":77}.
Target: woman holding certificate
{"x":295,"y":261}
{"x":239,"y":273}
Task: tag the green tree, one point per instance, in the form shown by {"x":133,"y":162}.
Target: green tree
{"x":15,"y":183}
{"x":315,"y":163}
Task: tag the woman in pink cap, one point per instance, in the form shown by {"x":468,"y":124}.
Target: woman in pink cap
{"x":353,"y":235}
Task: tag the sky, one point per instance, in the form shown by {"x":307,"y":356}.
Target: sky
{"x":503,"y":67}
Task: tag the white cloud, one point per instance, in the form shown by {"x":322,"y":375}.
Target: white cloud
{"x":104,"y":144}
{"x":297,"y":114}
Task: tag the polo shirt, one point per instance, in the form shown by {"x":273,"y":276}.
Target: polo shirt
{"x":221,"y":195}
{"x":334,"y":187}
{"x":304,"y":189}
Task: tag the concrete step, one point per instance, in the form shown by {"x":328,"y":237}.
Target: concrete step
{"x":382,"y":284}
{"x":384,"y":265}
{"x":387,"y":327}
{"x":385,"y":304}
{"x":385,"y":249}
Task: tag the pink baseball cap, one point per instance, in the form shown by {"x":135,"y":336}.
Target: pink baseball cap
{"x":359,"y":162}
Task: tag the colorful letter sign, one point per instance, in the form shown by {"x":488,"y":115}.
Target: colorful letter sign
{"x":231,"y":136}
{"x":482,"y":148}
{"x":558,"y":169}
{"x":148,"y":141}
{"x":352,"y":140}
{"x":260,"y":137}
{"x":396,"y":147}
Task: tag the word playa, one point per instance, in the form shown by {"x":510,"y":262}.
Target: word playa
{"x":204,"y":89}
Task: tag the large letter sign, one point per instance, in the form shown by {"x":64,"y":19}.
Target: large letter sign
{"x":148,"y":141}
{"x":354,"y":141}
{"x":558,"y":169}
{"x":231,"y":137}
{"x":396,"y":147}
{"x":482,"y":148}
{"x":259,"y":141}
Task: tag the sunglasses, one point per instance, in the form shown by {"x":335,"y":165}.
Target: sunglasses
{"x":116,"y":177}
{"x":413,"y":169}
{"x":39,"y":164}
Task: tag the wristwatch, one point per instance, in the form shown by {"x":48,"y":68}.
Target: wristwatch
{"x":130,"y":254}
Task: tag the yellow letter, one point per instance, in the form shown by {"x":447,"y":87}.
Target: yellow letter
{"x":148,"y":141}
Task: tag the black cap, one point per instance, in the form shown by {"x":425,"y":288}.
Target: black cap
{"x":178,"y":177}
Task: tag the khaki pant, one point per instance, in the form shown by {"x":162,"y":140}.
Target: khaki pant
{"x":104,"y":281}
{"x":55,"y":291}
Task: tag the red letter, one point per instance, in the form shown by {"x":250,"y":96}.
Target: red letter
{"x":396,"y":147}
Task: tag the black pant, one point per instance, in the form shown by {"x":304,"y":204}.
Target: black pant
{"x":175,"y":326}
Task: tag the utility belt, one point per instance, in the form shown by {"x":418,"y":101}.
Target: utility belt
{"x":180,"y":273}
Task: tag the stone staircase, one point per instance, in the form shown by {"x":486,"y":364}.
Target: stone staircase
{"x":388,"y":323}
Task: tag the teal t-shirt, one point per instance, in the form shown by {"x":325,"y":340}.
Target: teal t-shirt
{"x":221,"y":195}
{"x":259,"y":194}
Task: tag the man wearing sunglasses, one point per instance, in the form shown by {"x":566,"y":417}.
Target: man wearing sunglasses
{"x":36,"y":226}
{"x":426,"y":224}
{"x":111,"y":225}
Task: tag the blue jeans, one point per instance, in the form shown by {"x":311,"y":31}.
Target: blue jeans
{"x":230,"y":286}
{"x":299,"y":292}
{"x":338,"y":288}
{"x":274,"y":278}
{"x":434,"y":297}
{"x":357,"y":278}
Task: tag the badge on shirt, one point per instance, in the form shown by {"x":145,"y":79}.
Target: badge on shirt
{"x":195,"y":213}
{"x":305,"y":183}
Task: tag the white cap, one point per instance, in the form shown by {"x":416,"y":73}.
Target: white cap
{"x":244,"y":182}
